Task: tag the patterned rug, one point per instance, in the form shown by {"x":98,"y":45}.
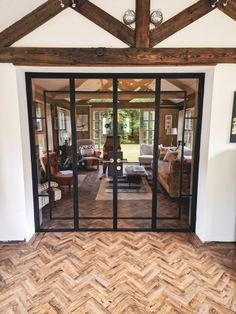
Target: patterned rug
{"x":142,"y":193}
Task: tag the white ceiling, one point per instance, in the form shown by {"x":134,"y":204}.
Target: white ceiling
{"x":11,"y":11}
{"x":70,"y":29}
{"x":105,"y":85}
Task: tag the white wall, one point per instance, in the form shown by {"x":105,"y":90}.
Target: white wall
{"x":12,"y":187}
{"x":217,"y":209}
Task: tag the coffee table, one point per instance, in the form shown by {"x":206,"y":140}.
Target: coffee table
{"x":134,"y":174}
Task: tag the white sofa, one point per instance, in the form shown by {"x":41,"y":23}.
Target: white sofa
{"x":146,"y":154}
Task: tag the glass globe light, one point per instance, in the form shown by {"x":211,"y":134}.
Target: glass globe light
{"x":156,"y":17}
{"x":129,"y":17}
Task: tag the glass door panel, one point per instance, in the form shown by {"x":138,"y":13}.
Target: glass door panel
{"x":94,"y":131}
{"x":115,"y":153}
{"x":135,"y":117}
{"x":178,"y":120}
{"x":51,"y":114}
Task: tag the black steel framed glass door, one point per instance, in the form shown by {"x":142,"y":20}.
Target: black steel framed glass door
{"x":115,"y":151}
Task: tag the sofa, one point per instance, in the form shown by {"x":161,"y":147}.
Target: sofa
{"x":146,"y":154}
{"x":169,"y":176}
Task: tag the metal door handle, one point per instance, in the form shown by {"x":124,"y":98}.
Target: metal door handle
{"x":121,"y":160}
{"x":111,"y":160}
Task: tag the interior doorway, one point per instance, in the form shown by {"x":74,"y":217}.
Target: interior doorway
{"x":115,"y":151}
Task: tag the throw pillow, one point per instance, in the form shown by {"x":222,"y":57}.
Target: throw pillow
{"x":170,"y":155}
{"x":86,"y":150}
{"x":186,"y":156}
{"x":162,"y":153}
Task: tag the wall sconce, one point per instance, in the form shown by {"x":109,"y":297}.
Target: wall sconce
{"x":225,"y":3}
{"x":156,"y":17}
{"x":215,"y":3}
{"x":129,"y":17}
{"x":63,"y":5}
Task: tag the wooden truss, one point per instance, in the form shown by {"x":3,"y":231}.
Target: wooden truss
{"x":141,"y":40}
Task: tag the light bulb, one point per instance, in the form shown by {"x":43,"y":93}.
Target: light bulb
{"x":129,"y":17}
{"x":156,"y":17}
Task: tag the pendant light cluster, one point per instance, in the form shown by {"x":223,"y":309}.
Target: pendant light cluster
{"x":156,"y":17}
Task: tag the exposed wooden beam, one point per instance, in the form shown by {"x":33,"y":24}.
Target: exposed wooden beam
{"x":127,"y":105}
{"x":180,"y":84}
{"x":106,"y":21}
{"x":230,"y":9}
{"x":179,"y":21}
{"x":80,"y":96}
{"x":142,"y":23}
{"x":117,"y":56}
{"x":31,"y":21}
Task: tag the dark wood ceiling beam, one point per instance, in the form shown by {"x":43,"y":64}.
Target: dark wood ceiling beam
{"x":106,"y":21}
{"x":179,"y":84}
{"x":230,"y":9}
{"x":179,"y":21}
{"x":117,"y":56}
{"x":142,"y":29}
{"x":80,"y":96}
{"x":127,"y":105}
{"x":31,"y":21}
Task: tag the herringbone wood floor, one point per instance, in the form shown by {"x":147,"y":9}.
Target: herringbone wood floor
{"x":90,"y":207}
{"x":117,"y":273}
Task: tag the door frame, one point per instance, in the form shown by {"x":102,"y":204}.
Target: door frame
{"x":115,"y":76}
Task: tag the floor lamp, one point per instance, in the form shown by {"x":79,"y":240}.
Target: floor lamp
{"x":173,"y":132}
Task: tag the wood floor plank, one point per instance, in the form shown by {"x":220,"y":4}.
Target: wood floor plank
{"x":117,"y":273}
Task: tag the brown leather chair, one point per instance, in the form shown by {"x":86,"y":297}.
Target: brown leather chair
{"x":56,"y":175}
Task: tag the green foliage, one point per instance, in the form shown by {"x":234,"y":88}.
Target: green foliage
{"x":133,"y":117}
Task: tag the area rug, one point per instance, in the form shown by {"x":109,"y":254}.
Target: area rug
{"x":104,"y":193}
{"x":81,"y":178}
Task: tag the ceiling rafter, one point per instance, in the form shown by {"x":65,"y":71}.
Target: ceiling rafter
{"x":142,"y":37}
{"x":142,"y":23}
{"x":117,"y":56}
{"x":30,"y":22}
{"x":179,"y":21}
{"x":179,"y":84}
{"x":230,"y":9}
{"x":106,"y":21}
{"x":51,"y":8}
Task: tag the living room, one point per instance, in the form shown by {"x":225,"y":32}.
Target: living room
{"x":126,"y":125}
{"x":139,"y":117}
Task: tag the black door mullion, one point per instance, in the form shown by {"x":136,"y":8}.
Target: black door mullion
{"x":74,"y":154}
{"x":34,"y":167}
{"x":182,"y":159}
{"x":196,"y":153}
{"x":155,"y":151}
{"x":115,"y":135}
{"x":47,"y":153}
